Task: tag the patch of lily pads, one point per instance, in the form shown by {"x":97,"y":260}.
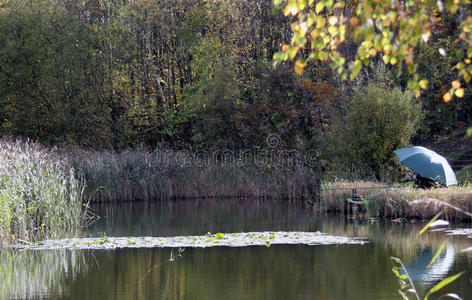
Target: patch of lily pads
{"x":265,"y":238}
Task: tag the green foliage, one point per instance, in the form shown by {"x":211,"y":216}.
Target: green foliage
{"x":50,"y":78}
{"x":377,"y":121}
{"x":464,"y":175}
{"x":392,"y":30}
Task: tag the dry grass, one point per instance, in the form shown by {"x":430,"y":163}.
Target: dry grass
{"x":334,"y":194}
{"x":455,"y":202}
{"x":141,"y":175}
{"x":401,"y":202}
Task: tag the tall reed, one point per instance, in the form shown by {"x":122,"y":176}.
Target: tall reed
{"x":40,"y":195}
{"x":409,"y":202}
{"x":141,"y":175}
{"x":334,"y":194}
{"x":399,"y":201}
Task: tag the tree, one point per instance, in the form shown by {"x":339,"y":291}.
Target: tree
{"x":386,"y":29}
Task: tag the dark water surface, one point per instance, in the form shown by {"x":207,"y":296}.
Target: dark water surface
{"x":276,"y":272}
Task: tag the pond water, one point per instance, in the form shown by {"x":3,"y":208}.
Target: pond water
{"x":256,"y":272}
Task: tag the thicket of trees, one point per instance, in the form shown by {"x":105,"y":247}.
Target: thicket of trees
{"x":187,"y":73}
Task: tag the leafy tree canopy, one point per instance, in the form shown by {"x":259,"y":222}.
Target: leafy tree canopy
{"x":390,"y":29}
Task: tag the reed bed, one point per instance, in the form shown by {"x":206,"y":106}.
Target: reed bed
{"x":406,"y":202}
{"x":334,"y":194}
{"x":40,"y":195}
{"x":44,"y":191}
{"x":141,"y":175}
{"x":400,"y":202}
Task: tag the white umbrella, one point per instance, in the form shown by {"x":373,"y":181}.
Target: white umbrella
{"x":427,"y":163}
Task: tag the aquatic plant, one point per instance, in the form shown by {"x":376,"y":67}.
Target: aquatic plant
{"x":210,"y":240}
{"x":404,"y":201}
{"x":40,"y":195}
{"x":420,"y":203}
{"x":334,"y":194}
{"x":142,"y":175}
{"x":404,"y":279}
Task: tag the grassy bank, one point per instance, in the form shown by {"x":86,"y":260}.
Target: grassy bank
{"x":40,"y":195}
{"x":401,"y":202}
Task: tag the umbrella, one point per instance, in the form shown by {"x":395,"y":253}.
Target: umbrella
{"x":427,"y":163}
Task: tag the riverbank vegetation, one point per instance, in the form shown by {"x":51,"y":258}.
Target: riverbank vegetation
{"x":117,"y":85}
{"x":382,"y":201}
{"x":40,"y":196}
{"x":157,"y":175}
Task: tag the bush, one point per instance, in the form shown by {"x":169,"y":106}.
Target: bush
{"x":377,"y":121}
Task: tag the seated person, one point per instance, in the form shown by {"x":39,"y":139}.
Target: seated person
{"x":425,"y":183}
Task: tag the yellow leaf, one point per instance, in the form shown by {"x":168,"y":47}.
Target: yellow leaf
{"x":447,"y":97}
{"x":292,"y":52}
{"x":314,"y":34}
{"x":300,"y":66}
{"x":456,"y":84}
{"x":386,"y":59}
{"x":332,"y":20}
{"x":290,"y":9}
{"x":423,"y":84}
{"x":459,"y":93}
{"x":354,"y":21}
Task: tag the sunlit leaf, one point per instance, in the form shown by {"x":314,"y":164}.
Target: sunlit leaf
{"x":459,"y":93}
{"x":442,"y":284}
{"x":430,"y":222}
{"x":356,"y":68}
{"x":436,"y":255}
{"x":292,"y":52}
{"x":300,"y":66}
{"x":423,"y":84}
{"x":447,"y":97}
{"x":450,"y":295}
{"x":469,"y":132}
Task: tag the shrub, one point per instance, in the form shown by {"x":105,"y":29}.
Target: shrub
{"x":377,"y":121}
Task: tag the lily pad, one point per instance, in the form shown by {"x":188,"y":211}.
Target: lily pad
{"x":227,"y":240}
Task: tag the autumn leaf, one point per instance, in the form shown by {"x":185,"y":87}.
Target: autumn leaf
{"x":447,"y":97}
{"x":300,"y":66}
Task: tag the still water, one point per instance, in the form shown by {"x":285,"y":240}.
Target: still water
{"x":259,"y":272}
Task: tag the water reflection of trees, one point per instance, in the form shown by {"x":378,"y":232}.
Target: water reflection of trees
{"x":38,"y":274}
{"x":278,"y":272}
{"x":199,"y":217}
